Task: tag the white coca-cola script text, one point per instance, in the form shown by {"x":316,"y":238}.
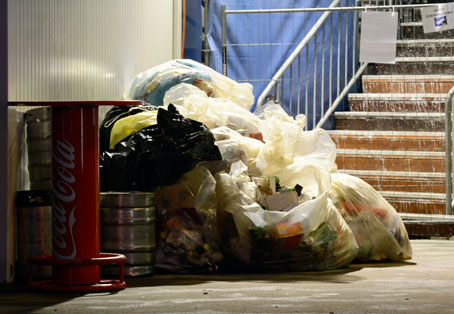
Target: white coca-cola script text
{"x":63,"y":205}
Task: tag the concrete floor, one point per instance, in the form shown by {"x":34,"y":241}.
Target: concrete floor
{"x":423,"y":285}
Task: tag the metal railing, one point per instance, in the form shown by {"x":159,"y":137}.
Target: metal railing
{"x":308,"y":77}
{"x":348,"y":79}
{"x":448,"y":150}
{"x":322,"y":85}
{"x":288,"y":79}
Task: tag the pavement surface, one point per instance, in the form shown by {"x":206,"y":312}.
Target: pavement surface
{"x":424,"y":284}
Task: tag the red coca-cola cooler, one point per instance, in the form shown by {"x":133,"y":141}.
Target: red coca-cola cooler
{"x":76,"y":256}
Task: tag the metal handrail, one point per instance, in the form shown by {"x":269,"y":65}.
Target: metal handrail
{"x":294,"y":54}
{"x":304,"y":43}
{"x":342,"y":95}
{"x":448,"y":153}
{"x":332,"y":8}
{"x":356,"y":74}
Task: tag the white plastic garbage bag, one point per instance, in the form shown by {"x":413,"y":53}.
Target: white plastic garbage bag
{"x":287,"y":145}
{"x":235,"y":147}
{"x":378,"y":228}
{"x":213,"y":112}
{"x":152,"y":84}
{"x":188,"y":240}
{"x":311,"y":236}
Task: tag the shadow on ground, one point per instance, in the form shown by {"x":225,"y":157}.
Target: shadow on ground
{"x":33,"y":300}
{"x":342,"y":275}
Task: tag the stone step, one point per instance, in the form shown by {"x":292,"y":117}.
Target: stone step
{"x":412,"y":84}
{"x":417,"y":203}
{"x":390,"y":121}
{"x":387,"y":160}
{"x":428,"y":225}
{"x":418,"y":66}
{"x":386,"y":140}
{"x":401,"y":102}
{"x":414,"y":182}
{"x":371,"y":2}
{"x":425,"y":48}
{"x":440,"y":219}
{"x":414,"y":30}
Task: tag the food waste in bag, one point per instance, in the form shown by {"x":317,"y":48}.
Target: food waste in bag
{"x":156,"y":155}
{"x":378,"y":228}
{"x":188,"y":239}
{"x":310,"y":236}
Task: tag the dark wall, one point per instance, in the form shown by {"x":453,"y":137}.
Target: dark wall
{"x":3,"y":141}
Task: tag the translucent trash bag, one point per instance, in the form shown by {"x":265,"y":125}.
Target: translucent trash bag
{"x":213,"y":112}
{"x":311,"y":236}
{"x":235,"y":147}
{"x":378,"y":228}
{"x":287,"y":144}
{"x":152,"y":84}
{"x":188,"y":239}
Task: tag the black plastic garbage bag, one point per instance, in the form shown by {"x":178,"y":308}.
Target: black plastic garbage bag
{"x":157,"y":155}
{"x":112,"y":116}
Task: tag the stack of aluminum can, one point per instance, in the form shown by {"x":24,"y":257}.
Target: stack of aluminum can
{"x":128,"y":226}
{"x":39,"y":145}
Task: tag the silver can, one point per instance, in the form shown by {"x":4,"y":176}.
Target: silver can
{"x":128,"y":226}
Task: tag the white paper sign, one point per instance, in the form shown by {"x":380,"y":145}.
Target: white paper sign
{"x":438,"y":18}
{"x":378,"y":37}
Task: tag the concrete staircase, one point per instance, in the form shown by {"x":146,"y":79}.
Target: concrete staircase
{"x":393,"y":136}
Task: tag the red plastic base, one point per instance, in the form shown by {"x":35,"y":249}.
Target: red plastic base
{"x":102,"y":285}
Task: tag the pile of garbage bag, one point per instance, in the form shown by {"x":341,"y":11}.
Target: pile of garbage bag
{"x":237,"y":190}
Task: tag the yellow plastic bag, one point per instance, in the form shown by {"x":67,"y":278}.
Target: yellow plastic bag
{"x":130,"y":124}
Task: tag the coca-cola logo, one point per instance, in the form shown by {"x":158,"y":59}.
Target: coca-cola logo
{"x":63,"y":197}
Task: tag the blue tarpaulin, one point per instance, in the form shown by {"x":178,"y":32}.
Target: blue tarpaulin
{"x":193,"y":33}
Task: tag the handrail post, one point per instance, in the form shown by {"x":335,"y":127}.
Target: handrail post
{"x":448,"y":149}
{"x":224,"y":40}
{"x":342,"y":95}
